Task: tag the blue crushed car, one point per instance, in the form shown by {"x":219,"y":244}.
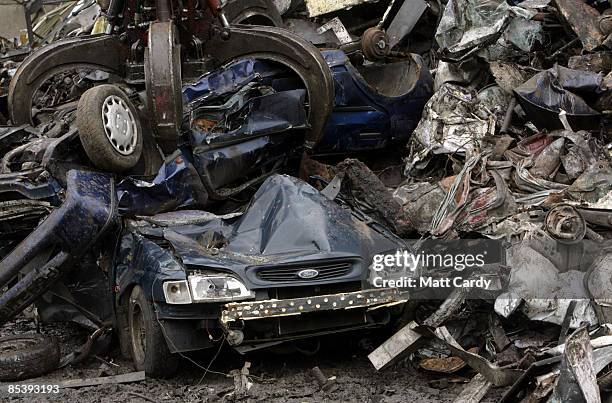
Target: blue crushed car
{"x":376,"y":105}
{"x":292,"y":264}
{"x":144,"y":255}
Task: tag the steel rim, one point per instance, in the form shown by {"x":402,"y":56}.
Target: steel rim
{"x":119,"y":125}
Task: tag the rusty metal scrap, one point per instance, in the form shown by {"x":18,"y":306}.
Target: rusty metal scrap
{"x":445,"y":365}
{"x":496,"y":375}
{"x":584,"y":20}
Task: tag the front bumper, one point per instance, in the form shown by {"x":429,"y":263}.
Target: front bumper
{"x":257,"y":324}
{"x":274,"y":308}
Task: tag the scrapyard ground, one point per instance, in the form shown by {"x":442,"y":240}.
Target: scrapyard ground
{"x":276,"y":377}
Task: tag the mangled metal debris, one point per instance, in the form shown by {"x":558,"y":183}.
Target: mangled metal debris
{"x":242,"y":384}
{"x":493,"y":118}
{"x":545,"y":95}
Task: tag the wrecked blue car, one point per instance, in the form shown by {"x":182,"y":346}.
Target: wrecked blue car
{"x":292,"y":264}
{"x":376,"y":105}
{"x":142,"y":252}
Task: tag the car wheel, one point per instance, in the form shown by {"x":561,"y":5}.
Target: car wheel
{"x":148,"y":346}
{"x":27,"y":356}
{"x":109,"y":128}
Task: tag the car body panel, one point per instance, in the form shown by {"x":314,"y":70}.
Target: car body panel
{"x":368,"y":113}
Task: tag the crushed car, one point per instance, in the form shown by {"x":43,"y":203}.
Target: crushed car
{"x":154,"y":195}
{"x":227,"y":133}
{"x":248,"y":277}
{"x":375,"y":105}
{"x":293,"y":265}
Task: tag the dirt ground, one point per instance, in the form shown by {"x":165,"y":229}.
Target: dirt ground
{"x":277,"y":376}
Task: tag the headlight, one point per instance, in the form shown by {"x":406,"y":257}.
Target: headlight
{"x":218,"y":288}
{"x":177,"y":292}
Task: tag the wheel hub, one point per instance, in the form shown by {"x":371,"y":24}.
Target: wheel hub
{"x":119,"y":125}
{"x":374,"y":44}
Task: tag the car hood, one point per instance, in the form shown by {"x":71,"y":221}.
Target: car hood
{"x":287,"y":221}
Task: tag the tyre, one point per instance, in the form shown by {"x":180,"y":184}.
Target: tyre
{"x":27,"y":356}
{"x":148,"y":345}
{"x":109,"y":128}
{"x":151,"y":158}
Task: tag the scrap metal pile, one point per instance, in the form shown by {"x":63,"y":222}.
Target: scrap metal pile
{"x":410,"y":123}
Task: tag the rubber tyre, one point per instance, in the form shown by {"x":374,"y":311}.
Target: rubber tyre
{"x":93,"y":136}
{"x":27,"y":356}
{"x":148,"y":345}
{"x":151,"y":158}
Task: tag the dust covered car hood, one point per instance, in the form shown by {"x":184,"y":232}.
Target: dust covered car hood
{"x":288,"y":224}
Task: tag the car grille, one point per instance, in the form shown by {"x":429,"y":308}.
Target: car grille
{"x":290,"y":273}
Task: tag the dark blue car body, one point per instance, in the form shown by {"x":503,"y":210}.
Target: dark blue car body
{"x":244,"y":122}
{"x":375,"y":105}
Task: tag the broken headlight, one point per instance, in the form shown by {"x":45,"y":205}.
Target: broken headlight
{"x":177,"y":292}
{"x":218,"y":288}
